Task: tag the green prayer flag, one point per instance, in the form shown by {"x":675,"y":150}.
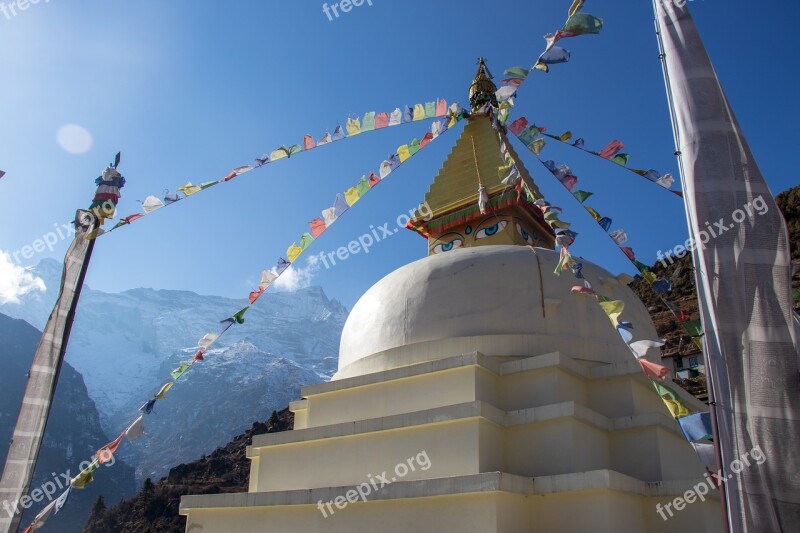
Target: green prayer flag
{"x":582,"y":196}
{"x":674,"y":404}
{"x":621,"y":159}
{"x":306,"y":240}
{"x":528,"y":135}
{"x":582,"y":24}
{"x":796,"y":295}
{"x":413,"y":148}
{"x":208,"y":184}
{"x":430,"y":109}
{"x":517,"y":72}
{"x":694,"y":327}
{"x":363,"y":186}
{"x":239,"y":316}
{"x":295,"y":149}
{"x":181,"y":370}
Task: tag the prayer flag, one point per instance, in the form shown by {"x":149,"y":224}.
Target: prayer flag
{"x":353,"y":126}
{"x":368,"y":124}
{"x":106,"y":453}
{"x":317,"y":227}
{"x":135,"y":430}
{"x":696,"y":426}
{"x":654,"y":370}
{"x":181,"y":370}
{"x":676,"y":407}
{"x":164,"y":390}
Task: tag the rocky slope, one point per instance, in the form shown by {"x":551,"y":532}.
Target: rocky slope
{"x":72,"y":435}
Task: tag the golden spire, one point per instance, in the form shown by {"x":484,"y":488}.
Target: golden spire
{"x":483,"y":88}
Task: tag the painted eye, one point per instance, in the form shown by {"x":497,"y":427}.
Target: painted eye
{"x":525,"y":235}
{"x":447,"y":246}
{"x":491,"y":230}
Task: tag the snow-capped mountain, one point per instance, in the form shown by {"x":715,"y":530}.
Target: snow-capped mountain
{"x":125,"y":345}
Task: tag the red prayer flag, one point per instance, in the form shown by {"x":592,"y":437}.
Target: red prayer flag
{"x":441,"y":108}
{"x":516,"y":82}
{"x":308,"y":142}
{"x":583,"y":290}
{"x":381,"y":121}
{"x":199,"y":355}
{"x":627,"y":250}
{"x":318,"y":227}
{"x":653,"y":370}
{"x":682,"y":316}
{"x":373,"y":180}
{"x":106,"y":453}
{"x":131,"y":218}
{"x":518,"y":125}
{"x":611,"y":150}
{"x":255,"y":295}
{"x":232,"y":174}
{"x":426,"y":140}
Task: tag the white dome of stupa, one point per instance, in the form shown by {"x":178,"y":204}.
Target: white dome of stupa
{"x":497,"y":300}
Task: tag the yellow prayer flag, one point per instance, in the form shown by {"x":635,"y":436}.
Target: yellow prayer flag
{"x":613,"y":309}
{"x":353,"y":126}
{"x":162,"y":393}
{"x":293,"y":252}
{"x":567,"y":135}
{"x":351,"y":196}
{"x":280,"y":153}
{"x":189,"y":189}
{"x":85,"y":477}
{"x":595,"y":214}
{"x":419,"y":112}
{"x":403,"y":153}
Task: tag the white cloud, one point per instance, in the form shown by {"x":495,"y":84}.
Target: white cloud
{"x":295,"y":278}
{"x":16,"y":281}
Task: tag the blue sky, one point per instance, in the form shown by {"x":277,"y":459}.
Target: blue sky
{"x":190,"y":90}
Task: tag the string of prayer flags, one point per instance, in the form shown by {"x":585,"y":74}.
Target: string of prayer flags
{"x":111,"y":181}
{"x":610,"y":153}
{"x":136,"y":429}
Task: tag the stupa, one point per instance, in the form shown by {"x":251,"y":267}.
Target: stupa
{"x":474,"y":392}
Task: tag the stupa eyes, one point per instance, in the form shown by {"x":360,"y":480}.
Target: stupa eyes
{"x":445,"y":245}
{"x":492,"y":230}
{"x":525,"y":235}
